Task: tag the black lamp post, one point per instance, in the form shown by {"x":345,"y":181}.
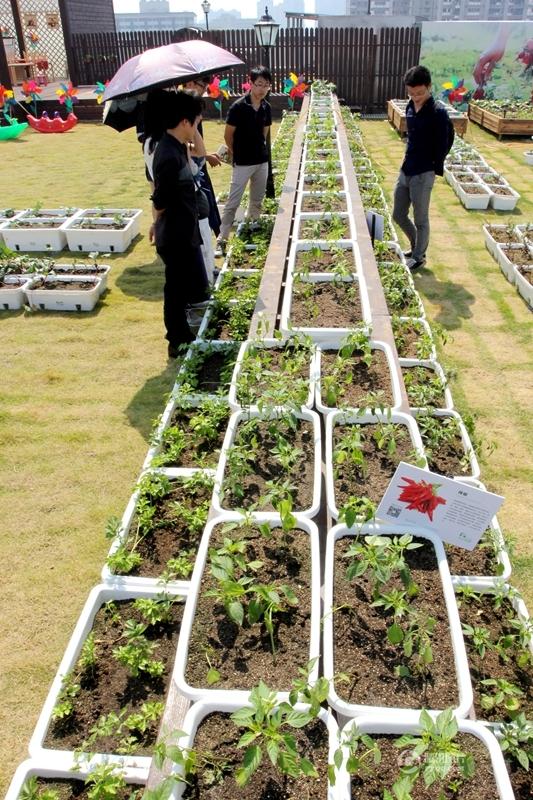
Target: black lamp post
{"x":206,"y":8}
{"x":266,"y":31}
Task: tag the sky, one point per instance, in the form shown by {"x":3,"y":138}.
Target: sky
{"x":245,"y":7}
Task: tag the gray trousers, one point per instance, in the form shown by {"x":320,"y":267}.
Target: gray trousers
{"x":414,"y":190}
{"x":257,"y":175}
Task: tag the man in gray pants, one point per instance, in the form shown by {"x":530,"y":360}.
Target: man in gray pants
{"x":428,"y":141}
{"x":245,"y":134}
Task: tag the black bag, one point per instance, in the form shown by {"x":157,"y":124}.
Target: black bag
{"x":203,"y":204}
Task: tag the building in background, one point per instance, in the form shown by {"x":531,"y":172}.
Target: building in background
{"x":468,"y":10}
{"x":155,"y":15}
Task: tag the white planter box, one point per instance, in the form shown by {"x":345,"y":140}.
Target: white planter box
{"x":201,"y":709}
{"x":525,"y":232}
{"x":320,"y":334}
{"x":137,"y":582}
{"x":523,"y":286}
{"x":339,"y":418}
{"x":195,"y":693}
{"x":63,"y":299}
{"x":490,"y":242}
{"x":507,"y":266}
{"x":343,"y":196}
{"x":501,"y":554}
{"x":130,"y":213}
{"x":379,"y":725}
{"x":473,"y":201}
{"x":270,"y":344}
{"x":4,"y":221}
{"x":239,"y":416}
{"x":38,"y":239}
{"x":504,"y":202}
{"x":462,"y":675}
{"x":101,"y":272}
{"x":307,"y":216}
{"x":197,"y":396}
{"x":13,"y":299}
{"x":105,"y":238}
{"x":425,"y":324}
{"x":97,"y":597}
{"x":437,"y":369}
{"x":465,"y":439}
{"x":62,"y":769}
{"x":300,"y":246}
{"x":375,"y":345}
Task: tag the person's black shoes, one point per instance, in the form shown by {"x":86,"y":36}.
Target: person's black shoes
{"x":177,"y":350}
{"x":407,"y":253}
{"x":413,"y":264}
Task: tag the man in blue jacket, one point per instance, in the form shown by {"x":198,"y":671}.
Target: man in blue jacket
{"x":429,"y":139}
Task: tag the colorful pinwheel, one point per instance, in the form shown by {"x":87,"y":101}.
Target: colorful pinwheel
{"x":246,"y":86}
{"x":67,"y":95}
{"x":294,"y":86}
{"x":31,"y":93}
{"x":7,"y":101}
{"x":99,"y":91}
{"x":454,"y":90}
{"x":218,"y":88}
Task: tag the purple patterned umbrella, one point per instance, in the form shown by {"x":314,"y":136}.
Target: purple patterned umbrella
{"x":164,"y":66}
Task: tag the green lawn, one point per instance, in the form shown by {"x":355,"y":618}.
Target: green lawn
{"x":78,"y":393}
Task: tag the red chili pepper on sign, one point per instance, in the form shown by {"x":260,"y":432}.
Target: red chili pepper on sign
{"x":420,"y":496}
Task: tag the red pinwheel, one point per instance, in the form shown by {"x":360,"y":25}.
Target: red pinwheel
{"x":455,"y":90}
{"x":420,"y":496}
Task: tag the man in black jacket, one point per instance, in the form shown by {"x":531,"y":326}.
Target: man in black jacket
{"x":428,"y":142}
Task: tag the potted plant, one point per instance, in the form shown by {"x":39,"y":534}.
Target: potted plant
{"x":105,"y":230}
{"x":63,"y":293}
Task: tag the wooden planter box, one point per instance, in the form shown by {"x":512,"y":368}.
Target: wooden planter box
{"x":499,"y":124}
{"x":396,"y":117}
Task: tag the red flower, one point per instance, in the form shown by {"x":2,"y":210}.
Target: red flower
{"x":420,"y":496}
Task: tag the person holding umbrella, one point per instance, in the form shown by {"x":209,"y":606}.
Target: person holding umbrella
{"x":175,"y":229}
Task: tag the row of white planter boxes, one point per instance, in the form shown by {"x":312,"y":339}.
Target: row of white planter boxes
{"x":85,"y":230}
{"x":476,"y":193}
{"x":515,"y":258}
{"x":67,"y":288}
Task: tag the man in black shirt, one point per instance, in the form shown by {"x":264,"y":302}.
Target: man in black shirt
{"x":175,"y":228}
{"x":247,"y":126}
{"x":427,"y":146}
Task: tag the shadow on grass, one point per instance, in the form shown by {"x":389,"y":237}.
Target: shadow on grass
{"x":454,"y":300}
{"x":144,"y":281}
{"x":149,"y":402}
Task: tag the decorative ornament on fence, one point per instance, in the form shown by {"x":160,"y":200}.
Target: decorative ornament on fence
{"x":12,"y":128}
{"x":455,"y":91}
{"x":295,"y":87}
{"x":31,"y":92}
{"x":99,"y":91}
{"x":216,"y":89}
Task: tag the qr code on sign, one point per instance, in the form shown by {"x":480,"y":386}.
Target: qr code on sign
{"x":394,"y":511}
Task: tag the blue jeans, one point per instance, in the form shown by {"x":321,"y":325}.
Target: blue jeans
{"x":414,"y":190}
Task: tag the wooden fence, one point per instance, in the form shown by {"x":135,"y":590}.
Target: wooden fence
{"x":366,"y":65}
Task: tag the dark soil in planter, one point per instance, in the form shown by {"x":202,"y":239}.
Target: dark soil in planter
{"x":501,"y":190}
{"x":201,"y":452}
{"x":323,"y":261}
{"x":300,"y":476}
{"x":520,"y":780}
{"x":423,"y":387}
{"x":70,"y":789}
{"x":239,"y":283}
{"x":98,"y":225}
{"x":482,"y":786}
{"x":218,"y":735}
{"x":356,"y":380}
{"x":447,"y":460}
{"x":498,"y":623}
{"x":479,"y":561}
{"x":261,"y":232}
{"x":213,"y":369}
{"x":69,"y":286}
{"x":331,"y":305}
{"x":41,"y":225}
{"x":171,"y":534}
{"x":464,"y":177}
{"x":471,"y":188}
{"x":316,"y":202}
{"x":349,"y":482}
{"x":243,"y":655}
{"x":110,"y":686}
{"x":322,"y":183}
{"x":229,"y":323}
{"x":361,"y":648}
{"x":519,"y":255}
{"x":78,"y":269}
{"x":247,"y":260}
{"x":527,"y":274}
{"x":503,"y":236}
{"x":309,"y":229}
{"x":408,"y":341}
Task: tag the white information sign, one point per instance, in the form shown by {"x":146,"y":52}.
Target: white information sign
{"x":456,"y":512}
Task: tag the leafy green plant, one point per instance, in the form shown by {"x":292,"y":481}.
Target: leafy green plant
{"x":516,"y":740}
{"x":501,"y":694}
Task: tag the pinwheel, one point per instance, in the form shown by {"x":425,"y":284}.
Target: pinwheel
{"x":454,"y":90}
{"x":99,"y":91}
{"x":14,"y":128}
{"x":67,"y":95}
{"x":31,"y":93}
{"x":294,"y":86}
{"x":216,"y":89}
{"x":246,"y":86}
{"x":7,"y":101}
